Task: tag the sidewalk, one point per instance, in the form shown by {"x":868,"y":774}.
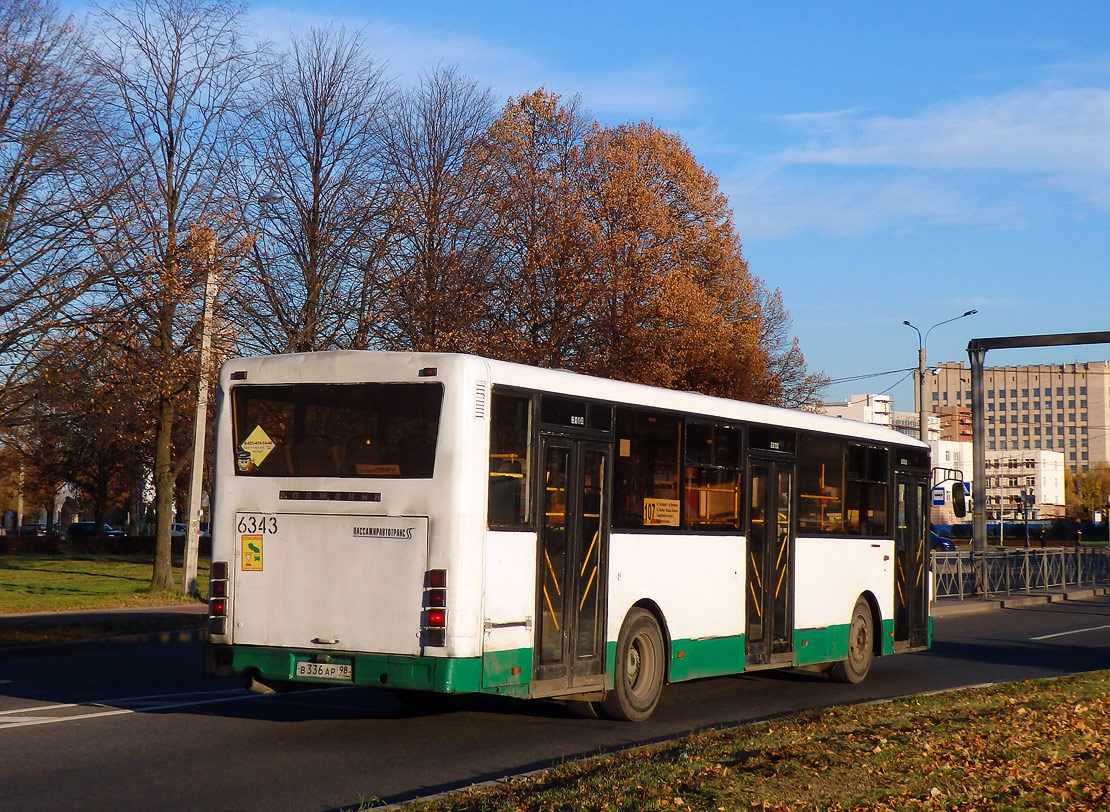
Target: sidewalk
{"x":76,"y":615}
{"x":160,"y":624}
{"x":947,"y":607}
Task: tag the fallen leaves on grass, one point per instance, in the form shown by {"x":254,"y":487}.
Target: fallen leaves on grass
{"x":1039,"y":745}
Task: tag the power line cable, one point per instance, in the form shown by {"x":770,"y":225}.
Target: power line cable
{"x":872,"y":375}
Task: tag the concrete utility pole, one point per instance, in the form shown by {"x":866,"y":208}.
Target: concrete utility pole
{"x":200,"y":423}
{"x":922,"y":340}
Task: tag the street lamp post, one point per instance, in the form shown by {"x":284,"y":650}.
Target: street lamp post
{"x":200,"y":424}
{"x":922,"y":340}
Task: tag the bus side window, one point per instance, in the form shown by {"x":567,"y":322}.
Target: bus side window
{"x":821,"y":485}
{"x":713,"y":482}
{"x":866,"y":490}
{"x":646,"y":486}
{"x":509,"y":460}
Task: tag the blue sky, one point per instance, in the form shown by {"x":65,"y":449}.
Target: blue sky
{"x":884,"y":160}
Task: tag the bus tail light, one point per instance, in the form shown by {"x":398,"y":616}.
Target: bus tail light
{"x":433,"y":629}
{"x":217,"y":597}
{"x":437,"y":619}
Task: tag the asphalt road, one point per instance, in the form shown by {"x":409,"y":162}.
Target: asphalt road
{"x":140,"y":728}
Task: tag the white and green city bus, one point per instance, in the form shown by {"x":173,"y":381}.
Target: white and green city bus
{"x":451,"y":524}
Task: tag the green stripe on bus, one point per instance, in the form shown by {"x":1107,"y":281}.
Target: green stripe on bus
{"x":507,"y":672}
{"x":822,"y":645}
{"x":830,"y":643}
{"x":439,"y":674}
{"x":709,"y":657}
{"x":888,"y":637}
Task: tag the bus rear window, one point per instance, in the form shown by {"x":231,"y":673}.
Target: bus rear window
{"x":368,"y":430}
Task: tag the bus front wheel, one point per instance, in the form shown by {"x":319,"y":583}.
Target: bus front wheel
{"x":638,"y":677}
{"x":861,"y":646}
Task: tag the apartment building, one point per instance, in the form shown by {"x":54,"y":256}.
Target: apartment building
{"x":1063,"y":408}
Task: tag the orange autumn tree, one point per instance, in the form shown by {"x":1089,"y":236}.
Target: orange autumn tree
{"x":675,"y":305}
{"x":86,"y":421}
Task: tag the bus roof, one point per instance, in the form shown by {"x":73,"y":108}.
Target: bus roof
{"x":340,"y":366}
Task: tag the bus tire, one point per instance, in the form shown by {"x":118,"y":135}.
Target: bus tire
{"x":638,"y":673}
{"x":854,"y":668}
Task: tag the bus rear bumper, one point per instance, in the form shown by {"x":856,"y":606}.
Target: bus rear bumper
{"x":403,"y":672}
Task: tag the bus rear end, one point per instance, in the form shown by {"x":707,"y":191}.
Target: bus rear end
{"x":327,"y":487}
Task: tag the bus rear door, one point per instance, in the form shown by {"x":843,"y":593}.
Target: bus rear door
{"x":911,"y":563}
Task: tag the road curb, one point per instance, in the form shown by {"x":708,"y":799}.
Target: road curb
{"x":947,"y":607}
{"x":957,"y":607}
{"x":102,"y":643}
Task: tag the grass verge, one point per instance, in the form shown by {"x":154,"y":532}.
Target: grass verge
{"x":50,"y":582}
{"x":37,"y":582}
{"x":1035,"y":745}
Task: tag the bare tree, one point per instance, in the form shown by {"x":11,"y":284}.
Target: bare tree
{"x":437,"y":273}
{"x":319,"y":145}
{"x":178,"y":73}
{"x":55,"y":180}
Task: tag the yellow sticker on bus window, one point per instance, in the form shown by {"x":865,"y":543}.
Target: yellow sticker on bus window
{"x":661,"y":512}
{"x":251,"y":558}
{"x":258,"y":445}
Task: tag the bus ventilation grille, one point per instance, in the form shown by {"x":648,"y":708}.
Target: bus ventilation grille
{"x":480,"y":400}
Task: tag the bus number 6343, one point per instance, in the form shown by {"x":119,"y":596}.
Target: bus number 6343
{"x":257,"y":523}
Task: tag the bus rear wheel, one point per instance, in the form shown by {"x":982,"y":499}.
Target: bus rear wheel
{"x":861,"y":647}
{"x":638,"y":677}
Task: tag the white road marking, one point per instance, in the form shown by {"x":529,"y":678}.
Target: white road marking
{"x":129,"y":699}
{"x":1073,"y":631}
{"x":33,"y":715}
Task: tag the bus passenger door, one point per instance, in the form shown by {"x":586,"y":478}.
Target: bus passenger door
{"x":573,"y":541}
{"x":769,"y":632}
{"x":911,"y":564}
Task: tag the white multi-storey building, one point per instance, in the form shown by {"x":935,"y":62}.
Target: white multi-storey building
{"x":874,"y":409}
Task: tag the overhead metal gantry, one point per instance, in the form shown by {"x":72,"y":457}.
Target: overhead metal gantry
{"x":977,"y":353}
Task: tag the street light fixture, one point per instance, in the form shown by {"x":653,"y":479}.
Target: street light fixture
{"x":200,"y":423}
{"x":922,"y":340}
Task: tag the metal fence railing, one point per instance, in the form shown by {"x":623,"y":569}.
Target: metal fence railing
{"x":964,"y":574}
